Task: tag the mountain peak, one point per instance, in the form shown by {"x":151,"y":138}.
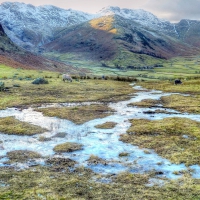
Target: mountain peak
{"x":111,"y":9}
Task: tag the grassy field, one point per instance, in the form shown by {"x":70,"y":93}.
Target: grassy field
{"x":59,"y":180}
{"x":78,"y":114}
{"x":168,"y":137}
{"x":184,"y":104}
{"x":12,"y":126}
{"x":21,"y":91}
{"x":107,"y":125}
{"x":67,"y":147}
{"x":178,"y":67}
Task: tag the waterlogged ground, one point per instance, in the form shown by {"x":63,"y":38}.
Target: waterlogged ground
{"x":112,"y":156}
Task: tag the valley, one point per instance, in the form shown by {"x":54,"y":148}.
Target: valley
{"x":42,"y":155}
{"x":122,"y":129}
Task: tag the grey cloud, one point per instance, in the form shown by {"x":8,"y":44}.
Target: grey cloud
{"x":175,"y":10}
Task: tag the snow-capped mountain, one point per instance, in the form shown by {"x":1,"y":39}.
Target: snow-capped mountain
{"x":142,"y":17}
{"x":33,"y":28}
{"x":14,"y":56}
{"x":30,"y":26}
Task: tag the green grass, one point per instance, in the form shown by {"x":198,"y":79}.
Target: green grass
{"x":16,"y":74}
{"x":188,"y":86}
{"x":68,"y":147}
{"x":57,"y":90}
{"x":12,"y":126}
{"x":59,"y":183}
{"x":78,"y":114}
{"x":189,"y":104}
{"x":146,"y":103}
{"x":107,"y":125}
{"x":166,"y":137}
{"x":177,"y":67}
{"x":22,"y":156}
{"x":95,"y":160}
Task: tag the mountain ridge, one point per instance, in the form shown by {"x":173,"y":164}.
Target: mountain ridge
{"x":26,"y":24}
{"x":14,"y":56}
{"x":49,"y":29}
{"x":107,"y":34}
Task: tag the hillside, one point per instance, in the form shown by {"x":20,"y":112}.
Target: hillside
{"x":189,"y":32}
{"x":113,"y":38}
{"x":12,"y":55}
{"x":30,"y":27}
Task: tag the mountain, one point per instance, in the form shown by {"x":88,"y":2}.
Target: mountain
{"x":14,"y":56}
{"x":110,"y":37}
{"x":142,"y":17}
{"x":189,"y":32}
{"x":114,"y":35}
{"x":30,"y":26}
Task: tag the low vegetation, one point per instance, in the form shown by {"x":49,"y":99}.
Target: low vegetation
{"x":123,"y":154}
{"x":146,"y":103}
{"x":56,"y":91}
{"x":107,"y":125}
{"x":56,"y":182}
{"x":58,"y":163}
{"x":68,"y":147}
{"x":78,"y":114}
{"x":95,"y":160}
{"x":176,"y":139}
{"x":188,"y":87}
{"x":12,"y":126}
{"x":189,"y":104}
{"x":39,"y":81}
{"x":22,"y":155}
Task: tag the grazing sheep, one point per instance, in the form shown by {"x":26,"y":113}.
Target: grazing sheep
{"x":66,"y":77}
{"x":177,"y":81}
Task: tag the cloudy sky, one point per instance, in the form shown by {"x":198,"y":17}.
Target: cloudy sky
{"x":172,"y":10}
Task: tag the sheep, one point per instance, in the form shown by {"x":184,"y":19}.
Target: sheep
{"x":66,"y":77}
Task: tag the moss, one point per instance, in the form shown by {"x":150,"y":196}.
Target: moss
{"x":68,"y":147}
{"x":123,"y":154}
{"x":44,"y":139}
{"x":95,"y":160}
{"x":180,"y":103}
{"x":43,"y":182}
{"x":60,"y":162}
{"x":12,"y":126}
{"x":146,"y":103}
{"x":190,"y":104}
{"x":22,"y":155}
{"x":80,"y":114}
{"x":107,"y":125}
{"x":166,"y":137}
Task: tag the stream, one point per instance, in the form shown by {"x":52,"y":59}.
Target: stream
{"x":103,"y":143}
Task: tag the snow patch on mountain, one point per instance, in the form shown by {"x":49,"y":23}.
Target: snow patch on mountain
{"x":28,"y":25}
{"x":142,"y":17}
{"x":31,"y":27}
